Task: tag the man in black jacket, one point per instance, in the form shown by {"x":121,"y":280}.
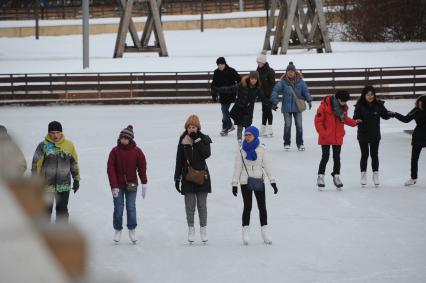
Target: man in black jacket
{"x":225,"y":85}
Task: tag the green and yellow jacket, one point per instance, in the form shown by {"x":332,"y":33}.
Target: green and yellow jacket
{"x":56,"y":162}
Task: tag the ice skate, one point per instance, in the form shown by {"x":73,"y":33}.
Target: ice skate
{"x":191,"y":234}
{"x":263,"y":132}
{"x":301,"y":147}
{"x":132,"y":236}
{"x":410,"y":182}
{"x":320,"y":182}
{"x":376,"y":179}
{"x":363,"y":179}
{"x":287,"y":147}
{"x":265,"y":235}
{"x":117,"y":236}
{"x":246,"y":236}
{"x":337,"y":182}
{"x":269,"y":131}
{"x":224,"y":132}
{"x":203,"y":234}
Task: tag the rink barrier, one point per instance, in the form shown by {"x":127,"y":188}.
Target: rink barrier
{"x":193,"y":87}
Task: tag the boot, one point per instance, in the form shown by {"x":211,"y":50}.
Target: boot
{"x":364,"y":178}
{"x":337,"y":182}
{"x":132,"y":236}
{"x":265,"y":235}
{"x":263,"y":131}
{"x":117,"y":236}
{"x":320,"y":181}
{"x":410,"y":182}
{"x":246,"y":236}
{"x":376,"y":178}
{"x":191,"y":234}
{"x":269,"y":131}
{"x":203,"y":234}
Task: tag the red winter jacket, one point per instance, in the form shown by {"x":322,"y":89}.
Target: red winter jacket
{"x":329,"y":127}
{"x":126,"y":160}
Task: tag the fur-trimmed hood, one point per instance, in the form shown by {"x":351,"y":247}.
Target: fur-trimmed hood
{"x":245,"y":82}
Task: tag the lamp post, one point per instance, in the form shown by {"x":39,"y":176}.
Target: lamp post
{"x":85,"y":8}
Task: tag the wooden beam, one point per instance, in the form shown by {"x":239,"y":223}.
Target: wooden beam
{"x":288,"y":25}
{"x":158,"y":29}
{"x":323,"y":26}
{"x":132,"y":27}
{"x":122,"y":29}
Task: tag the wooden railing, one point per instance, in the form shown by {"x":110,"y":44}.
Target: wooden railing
{"x":185,"y":87}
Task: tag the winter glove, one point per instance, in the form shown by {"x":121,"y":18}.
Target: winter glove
{"x":274,"y":107}
{"x":177,"y":184}
{"x":358,"y":121}
{"x":115,"y":192}
{"x":214,"y":98}
{"x":144,"y":188}
{"x":234,"y":190}
{"x":274,"y":186}
{"x":194,"y":136}
{"x":309,"y":105}
{"x":76,"y":186}
{"x":391,"y":114}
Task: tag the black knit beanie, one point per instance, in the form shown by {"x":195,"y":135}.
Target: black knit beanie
{"x":54,"y":126}
{"x":343,"y":95}
{"x":220,"y":60}
{"x":291,"y":67}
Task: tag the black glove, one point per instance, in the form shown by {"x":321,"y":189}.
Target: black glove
{"x":194,"y":136}
{"x":274,"y":107}
{"x":274,"y":186}
{"x":177,"y":184}
{"x":76,"y":186}
{"x":234,"y":190}
{"x":214,"y":98}
{"x":391,"y":114}
{"x":310,"y":105}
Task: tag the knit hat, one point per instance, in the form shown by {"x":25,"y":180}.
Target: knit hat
{"x":220,"y":60}
{"x":194,"y":121}
{"x":261,"y":58}
{"x":3,"y":131}
{"x":252,"y":130}
{"x":343,"y":95}
{"x":254,"y":75}
{"x":127,"y":132}
{"x":291,"y":67}
{"x":54,"y":126}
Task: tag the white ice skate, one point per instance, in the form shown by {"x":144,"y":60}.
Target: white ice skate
{"x":263,"y":132}
{"x":265,"y":235}
{"x":301,"y":147}
{"x":287,"y":147}
{"x":320,"y":182}
{"x":337,"y":182}
{"x":203,"y":234}
{"x":410,"y":182}
{"x":246,"y":236}
{"x":132,"y":236}
{"x":117,"y":236}
{"x":191,"y":234}
{"x":269,"y":131}
{"x":376,"y":179}
{"x":363,"y":178}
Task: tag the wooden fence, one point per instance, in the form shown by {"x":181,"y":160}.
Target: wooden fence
{"x":189,"y":87}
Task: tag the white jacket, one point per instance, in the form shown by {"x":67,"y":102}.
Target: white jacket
{"x":255,"y":168}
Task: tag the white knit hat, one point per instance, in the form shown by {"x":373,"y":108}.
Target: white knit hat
{"x":261,"y":58}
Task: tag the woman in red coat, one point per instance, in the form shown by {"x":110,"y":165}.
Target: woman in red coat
{"x":125,"y":162}
{"x":331,"y":116}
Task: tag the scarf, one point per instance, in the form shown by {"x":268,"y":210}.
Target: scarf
{"x":338,"y":110}
{"x":250,"y":149}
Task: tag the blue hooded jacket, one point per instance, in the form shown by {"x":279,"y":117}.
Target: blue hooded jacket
{"x":288,"y":100}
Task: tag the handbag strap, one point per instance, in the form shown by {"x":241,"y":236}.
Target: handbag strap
{"x":242,"y":159}
{"x":294,"y":93}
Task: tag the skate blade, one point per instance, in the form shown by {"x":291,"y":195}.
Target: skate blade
{"x":339,"y":189}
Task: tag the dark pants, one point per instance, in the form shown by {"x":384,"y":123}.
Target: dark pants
{"x":287,"y":128}
{"x":326,"y":156}
{"x":266,"y":115}
{"x":372,"y":149}
{"x":415,"y":154}
{"x":261,"y":204}
{"x":61,"y":205}
{"x":226,"y":118}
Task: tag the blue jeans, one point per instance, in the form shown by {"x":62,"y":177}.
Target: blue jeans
{"x":287,"y":128}
{"x":226,"y":119}
{"x":130,"y":209}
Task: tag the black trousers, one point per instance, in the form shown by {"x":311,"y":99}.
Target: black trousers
{"x":415,"y":154}
{"x":326,"y":155}
{"x":372,"y":149}
{"x":261,"y":204}
{"x":266,"y":115}
{"x":61,"y":205}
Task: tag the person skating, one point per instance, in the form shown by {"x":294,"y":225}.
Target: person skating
{"x":242,"y":111}
{"x":55,"y":159}
{"x":331,"y":116}
{"x":370,"y":110}
{"x":125,"y":162}
{"x":418,"y":142}
{"x":192,"y":151}
{"x":251,"y":161}
{"x":267,"y":83}
{"x":12,"y":161}
{"x":291,"y":85}
{"x":224,"y":85}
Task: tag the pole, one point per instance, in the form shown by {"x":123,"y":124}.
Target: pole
{"x":37,"y":29}
{"x":202,"y":16}
{"x":241,"y":5}
{"x":85,"y":9}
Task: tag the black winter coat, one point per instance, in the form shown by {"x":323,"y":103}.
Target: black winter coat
{"x":419,"y":134}
{"x":225,"y":84}
{"x":196,"y":154}
{"x":370,"y":114}
{"x":242,"y":111}
{"x":267,"y":83}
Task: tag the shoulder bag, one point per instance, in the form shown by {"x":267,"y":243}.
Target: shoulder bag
{"x":253,"y":184}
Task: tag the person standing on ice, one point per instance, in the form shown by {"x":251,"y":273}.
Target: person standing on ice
{"x":192,"y":151}
{"x":418,"y":142}
{"x":267,"y":83}
{"x":125,"y":162}
{"x":291,"y":86}
{"x":251,"y":161}
{"x":369,"y":109}
{"x":56,"y":160}
{"x":225,"y":84}
{"x":331,"y":116}
{"x":242,"y":111}
{"x":12,"y":161}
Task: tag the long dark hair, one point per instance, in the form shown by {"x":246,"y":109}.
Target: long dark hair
{"x":365,"y":90}
{"x":423,"y":100}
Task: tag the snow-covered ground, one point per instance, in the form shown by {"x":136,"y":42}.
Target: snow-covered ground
{"x":358,"y":235}
{"x":195,"y":51}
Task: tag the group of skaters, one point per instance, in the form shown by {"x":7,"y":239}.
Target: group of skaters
{"x":55,"y":158}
